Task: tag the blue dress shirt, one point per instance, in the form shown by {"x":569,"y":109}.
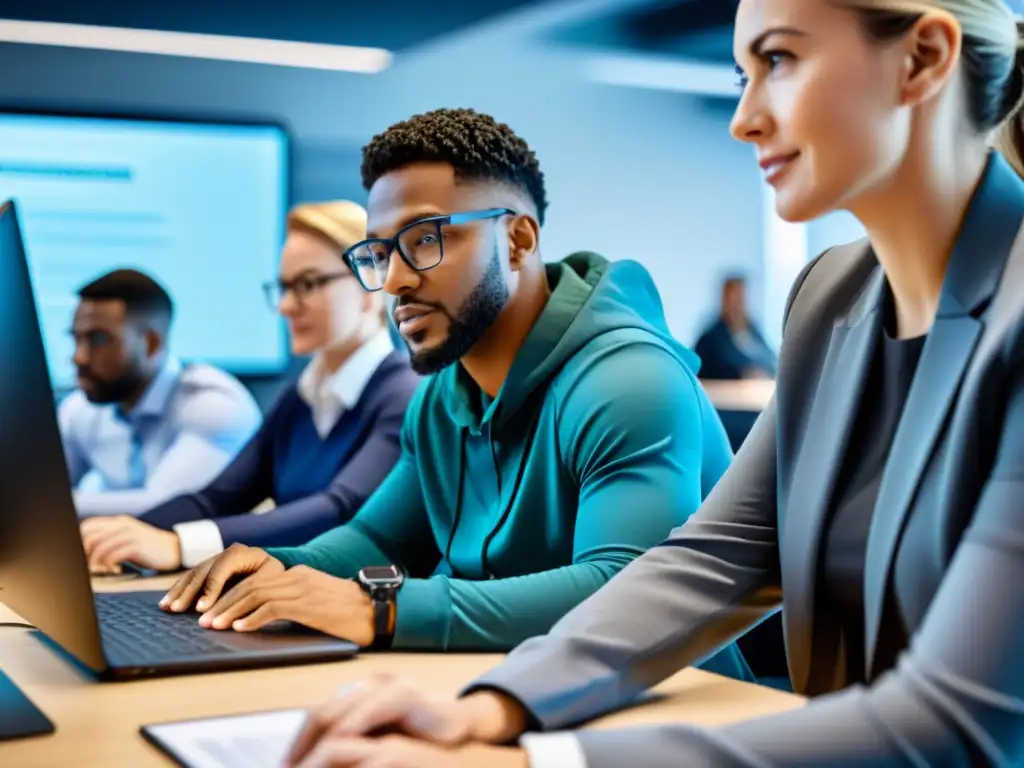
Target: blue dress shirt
{"x":187,"y":426}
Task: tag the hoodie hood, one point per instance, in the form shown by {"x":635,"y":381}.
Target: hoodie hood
{"x":590,"y":297}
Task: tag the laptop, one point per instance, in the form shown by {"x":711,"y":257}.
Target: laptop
{"x":44,"y":574}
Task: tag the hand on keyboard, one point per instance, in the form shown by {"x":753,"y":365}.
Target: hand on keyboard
{"x":266,"y":593}
{"x":203,"y":585}
{"x":109,"y":541}
{"x":314,"y":599}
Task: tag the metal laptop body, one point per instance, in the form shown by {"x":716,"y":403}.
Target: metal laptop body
{"x":44,"y":575}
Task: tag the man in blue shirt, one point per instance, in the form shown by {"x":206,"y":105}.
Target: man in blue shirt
{"x":142,"y":427}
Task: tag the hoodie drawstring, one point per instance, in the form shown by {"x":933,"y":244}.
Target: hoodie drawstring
{"x":508,"y":507}
{"x":458,"y":498}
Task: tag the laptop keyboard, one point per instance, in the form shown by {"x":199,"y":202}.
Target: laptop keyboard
{"x":133,"y":626}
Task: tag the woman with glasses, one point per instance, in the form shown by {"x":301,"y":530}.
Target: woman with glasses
{"x":326,"y":443}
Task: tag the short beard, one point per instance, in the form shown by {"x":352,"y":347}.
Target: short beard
{"x":475,"y":316}
{"x":118,"y":390}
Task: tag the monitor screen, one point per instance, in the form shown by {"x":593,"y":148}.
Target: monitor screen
{"x":198,"y":206}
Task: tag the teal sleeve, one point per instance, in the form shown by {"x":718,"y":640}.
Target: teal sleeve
{"x":630,"y":427}
{"x":391,"y":528}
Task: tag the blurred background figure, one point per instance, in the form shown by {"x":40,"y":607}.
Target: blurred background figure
{"x":141,"y":426}
{"x":330,"y":438}
{"x":732,"y":347}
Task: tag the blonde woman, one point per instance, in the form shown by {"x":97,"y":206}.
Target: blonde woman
{"x":326,"y":443}
{"x":878,"y":500}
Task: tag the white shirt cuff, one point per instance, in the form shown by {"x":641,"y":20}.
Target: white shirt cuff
{"x":199,"y":541}
{"x":553,"y":750}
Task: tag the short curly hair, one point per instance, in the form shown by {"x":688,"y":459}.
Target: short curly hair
{"x":476,"y":145}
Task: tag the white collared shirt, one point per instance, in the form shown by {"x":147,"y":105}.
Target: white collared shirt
{"x":329,"y":395}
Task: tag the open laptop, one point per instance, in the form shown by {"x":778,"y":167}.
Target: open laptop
{"x":44,"y":575}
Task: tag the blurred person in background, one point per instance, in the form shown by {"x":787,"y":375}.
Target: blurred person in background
{"x":327,"y":442}
{"x":560,"y":432}
{"x":142,"y":427}
{"x":733,"y":347}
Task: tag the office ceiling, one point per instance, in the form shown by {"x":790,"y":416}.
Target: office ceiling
{"x":391,"y":24}
{"x":698,"y":29}
{"x":692,"y":29}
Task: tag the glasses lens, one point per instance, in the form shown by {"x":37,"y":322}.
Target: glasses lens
{"x":370,"y":263}
{"x":421,"y":244}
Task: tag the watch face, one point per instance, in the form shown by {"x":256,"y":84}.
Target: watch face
{"x":378,"y":573}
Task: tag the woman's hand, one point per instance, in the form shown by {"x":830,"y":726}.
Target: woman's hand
{"x":110,"y":541}
{"x":385,"y":703}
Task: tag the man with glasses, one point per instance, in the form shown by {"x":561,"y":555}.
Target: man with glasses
{"x":560,"y":434}
{"x":143,"y":427}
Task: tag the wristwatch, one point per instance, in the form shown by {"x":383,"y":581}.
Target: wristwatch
{"x":381,"y":583}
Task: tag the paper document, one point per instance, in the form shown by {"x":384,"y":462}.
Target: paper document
{"x":259,"y":740}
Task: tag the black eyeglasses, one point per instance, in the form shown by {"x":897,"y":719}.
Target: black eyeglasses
{"x":420,"y":244}
{"x":301,"y":287}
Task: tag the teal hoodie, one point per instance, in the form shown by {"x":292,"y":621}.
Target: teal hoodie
{"x":509,"y":513}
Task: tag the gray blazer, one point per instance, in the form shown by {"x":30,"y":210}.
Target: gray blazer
{"x":947,"y":541}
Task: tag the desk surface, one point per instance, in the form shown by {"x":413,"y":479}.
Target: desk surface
{"x":98,"y":723}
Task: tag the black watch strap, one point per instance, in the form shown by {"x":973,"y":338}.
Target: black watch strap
{"x":382,"y":598}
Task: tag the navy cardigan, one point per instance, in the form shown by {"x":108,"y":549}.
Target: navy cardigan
{"x":316,"y":483}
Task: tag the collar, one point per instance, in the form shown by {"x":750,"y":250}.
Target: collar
{"x":991,"y":224}
{"x":159,"y":392}
{"x":345,"y":385}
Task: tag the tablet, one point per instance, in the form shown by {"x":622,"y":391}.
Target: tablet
{"x":19,"y":717}
{"x":254,"y":740}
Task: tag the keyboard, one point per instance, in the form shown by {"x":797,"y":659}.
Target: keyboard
{"x":134,"y":627}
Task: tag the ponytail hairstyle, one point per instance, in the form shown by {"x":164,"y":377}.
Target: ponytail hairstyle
{"x":1009,"y":136}
{"x":992,"y":55}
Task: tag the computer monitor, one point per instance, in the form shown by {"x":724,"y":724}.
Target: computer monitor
{"x":44,"y":575}
{"x":198,"y":205}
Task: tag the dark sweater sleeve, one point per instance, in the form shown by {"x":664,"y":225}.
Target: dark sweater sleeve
{"x":302,"y":520}
{"x":719,"y":356}
{"x":246,"y":482}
